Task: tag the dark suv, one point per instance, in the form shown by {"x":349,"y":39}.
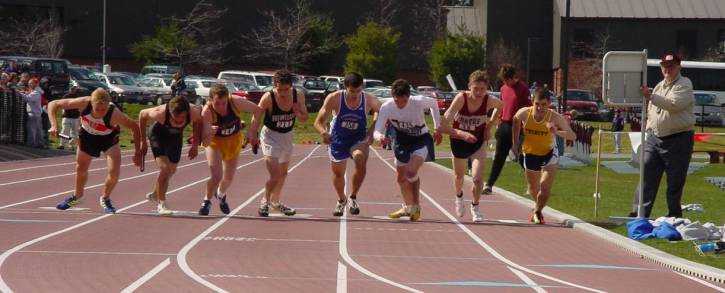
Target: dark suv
{"x":52,"y":69}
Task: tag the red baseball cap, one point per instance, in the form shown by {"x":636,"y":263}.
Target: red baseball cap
{"x":670,"y":59}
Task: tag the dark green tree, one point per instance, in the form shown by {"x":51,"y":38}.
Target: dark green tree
{"x":456,"y":54}
{"x":373,"y":51}
{"x":192,"y":38}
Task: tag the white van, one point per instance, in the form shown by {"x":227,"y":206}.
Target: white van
{"x":332,"y":78}
{"x":258,"y":78}
{"x":370,"y":83}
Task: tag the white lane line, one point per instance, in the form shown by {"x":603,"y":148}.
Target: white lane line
{"x":4,"y":256}
{"x":485,"y":245}
{"x":181,"y":256}
{"x":341,"y":278}
{"x":97,"y":185}
{"x":51,"y":165}
{"x":716,"y":288}
{"x":145,"y":278}
{"x":96,"y":252}
{"x":358,"y":267}
{"x":65,"y":164}
{"x":527,"y":280}
{"x":65,"y":174}
{"x":92,"y":186}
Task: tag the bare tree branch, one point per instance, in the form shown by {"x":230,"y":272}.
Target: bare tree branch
{"x":284,"y":40}
{"x":502,"y":53}
{"x":201,"y":23}
{"x":40,"y":37}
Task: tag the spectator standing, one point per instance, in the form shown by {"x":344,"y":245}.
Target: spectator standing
{"x":670,"y":137}
{"x":70,"y":123}
{"x":617,"y":127}
{"x":32,"y":99}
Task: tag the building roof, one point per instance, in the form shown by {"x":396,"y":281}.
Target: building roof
{"x":657,"y":9}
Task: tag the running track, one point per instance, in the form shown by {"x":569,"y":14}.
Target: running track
{"x":83,"y":250}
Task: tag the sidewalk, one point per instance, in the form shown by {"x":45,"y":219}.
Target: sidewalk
{"x":12,"y":152}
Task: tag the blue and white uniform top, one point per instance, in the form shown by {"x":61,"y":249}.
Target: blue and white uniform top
{"x":348,"y":128}
{"x":412,"y":135}
{"x":349,"y":125}
{"x":409,"y":121}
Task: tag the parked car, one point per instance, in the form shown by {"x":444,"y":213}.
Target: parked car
{"x":124,"y":88}
{"x":157,"y":68}
{"x":258,"y":78}
{"x":706,"y":110}
{"x":248,"y":90}
{"x":201,"y":87}
{"x":83,"y":79}
{"x":52,"y":69}
{"x":315,"y":95}
{"x":371,"y":83}
{"x":383,"y":94}
{"x":134,"y":75}
{"x":157,"y":87}
{"x":429,"y":91}
{"x":586,"y":105}
{"x":333,"y":86}
{"x":330,"y":78}
{"x":445,"y":99}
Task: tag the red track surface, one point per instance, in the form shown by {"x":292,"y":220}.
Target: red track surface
{"x":44,"y":250}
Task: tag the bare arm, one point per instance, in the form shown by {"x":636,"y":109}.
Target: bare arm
{"x":77,"y":103}
{"x":379,"y":133}
{"x":265,"y":103}
{"x":450,"y":114}
{"x":300,"y":109}
{"x":373,"y":104}
{"x":206,"y":121}
{"x":247,"y":106}
{"x":516,"y":128}
{"x":118,"y":118}
{"x":563,"y":128}
{"x":322,"y":115}
{"x":201,"y":130}
{"x":143,"y":117}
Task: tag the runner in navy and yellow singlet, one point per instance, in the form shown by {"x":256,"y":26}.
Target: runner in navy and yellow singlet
{"x":222,"y":118}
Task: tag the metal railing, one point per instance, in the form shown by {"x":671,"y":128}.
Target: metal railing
{"x":12,"y":117}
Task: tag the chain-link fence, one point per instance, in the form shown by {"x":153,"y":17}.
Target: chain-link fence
{"x":12,"y":117}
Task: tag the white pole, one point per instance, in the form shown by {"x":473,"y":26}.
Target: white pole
{"x":643,"y":125}
{"x":596,"y":180}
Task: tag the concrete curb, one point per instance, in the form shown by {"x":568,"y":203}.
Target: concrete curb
{"x":672,"y":262}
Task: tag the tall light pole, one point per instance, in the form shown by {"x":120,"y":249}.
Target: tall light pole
{"x":565,"y":57}
{"x":528,"y":57}
{"x":103,"y":45}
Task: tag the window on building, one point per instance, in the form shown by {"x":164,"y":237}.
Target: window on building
{"x":460,"y":3}
{"x":721,"y":40}
{"x":583,"y":39}
{"x":687,"y":43}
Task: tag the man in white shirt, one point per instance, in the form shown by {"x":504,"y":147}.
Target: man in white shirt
{"x":413,"y":144}
{"x":34,"y":109}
